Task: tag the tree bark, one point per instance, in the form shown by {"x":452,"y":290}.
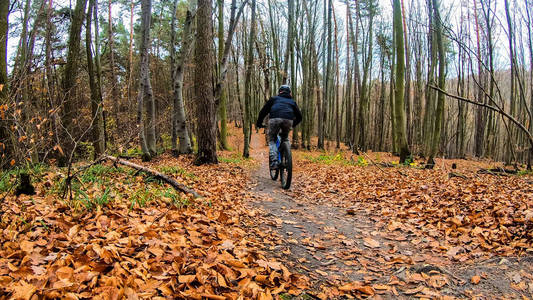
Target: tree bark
{"x":179,"y":120}
{"x":479,"y":136}
{"x":149,"y":101}
{"x":130,"y":56}
{"x":94,"y":84}
{"x":407,"y":79}
{"x":223,"y":101}
{"x":145,"y":103}
{"x":247,"y":124}
{"x":206,"y":108}
{"x":399,"y":91}
{"x":69,"y":110}
{"x":223,"y":70}
{"x":439,"y":113}
{"x":6,"y":150}
{"x":116,"y":98}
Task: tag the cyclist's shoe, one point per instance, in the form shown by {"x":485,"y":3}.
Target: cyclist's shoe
{"x":274,"y":165}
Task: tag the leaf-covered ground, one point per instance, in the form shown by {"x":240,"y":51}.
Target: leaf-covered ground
{"x":126,"y":235}
{"x":363,"y":226}
{"x":347,"y":228}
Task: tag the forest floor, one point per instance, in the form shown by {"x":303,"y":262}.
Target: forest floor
{"x":349,"y":227}
{"x":402,"y":232}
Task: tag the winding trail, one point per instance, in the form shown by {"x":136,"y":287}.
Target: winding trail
{"x":334,"y":247}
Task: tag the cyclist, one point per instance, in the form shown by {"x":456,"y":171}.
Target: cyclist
{"x":284,"y":115}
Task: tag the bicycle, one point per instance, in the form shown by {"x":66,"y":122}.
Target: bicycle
{"x":284,"y":170}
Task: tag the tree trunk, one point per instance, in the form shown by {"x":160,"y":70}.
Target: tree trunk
{"x":179,"y":120}
{"x":94,"y":84}
{"x":529,"y":24}
{"x":293,"y":15}
{"x":206,"y":109}
{"x":69,"y":110}
{"x":6,"y":150}
{"x":223,"y":101}
{"x":399,"y":91}
{"x":145,"y":103}
{"x":130,"y":56}
{"x":407,"y":80}
{"x":115,"y":93}
{"x":4,"y":27}
{"x":338,"y":120}
{"x":234,"y":19}
{"x":357,"y":79}
{"x":513,"y":107}
{"x":439,"y":113}
{"x":327,"y":73}
{"x":247,"y":124}
{"x":98,"y":68}
{"x":364,"y":107}
{"x":479,"y":136}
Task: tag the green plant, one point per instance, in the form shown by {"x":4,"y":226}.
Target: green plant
{"x":100,"y":173}
{"x":8,"y":178}
{"x":525,"y":172}
{"x":235,"y":158}
{"x":95,"y":201}
{"x":175,"y":198}
{"x":167,"y":141}
{"x":141,"y":197}
{"x":134,"y":152}
{"x":6,"y":181}
{"x":408,"y":161}
{"x":361,"y":161}
{"x":174,"y":170}
{"x":329,"y":159}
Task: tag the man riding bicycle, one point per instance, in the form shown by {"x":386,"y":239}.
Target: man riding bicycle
{"x":284,"y":115}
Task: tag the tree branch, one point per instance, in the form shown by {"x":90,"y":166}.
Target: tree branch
{"x":234,"y":19}
{"x":178,"y":186}
{"x":496,"y":109}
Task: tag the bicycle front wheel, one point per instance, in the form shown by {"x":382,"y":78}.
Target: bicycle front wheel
{"x":285,"y":168}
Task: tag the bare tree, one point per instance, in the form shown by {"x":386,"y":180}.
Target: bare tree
{"x":145,"y":102}
{"x":69,"y":110}
{"x":94,"y":84}
{"x":179,"y":120}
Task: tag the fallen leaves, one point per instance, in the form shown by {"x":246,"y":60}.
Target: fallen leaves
{"x":369,"y":242}
{"x":22,"y":290}
{"x":475,"y":279}
{"x":204,"y":250}
{"x":455,"y":216}
{"x":357,"y":287}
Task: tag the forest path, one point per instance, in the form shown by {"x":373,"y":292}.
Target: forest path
{"x":335,"y":247}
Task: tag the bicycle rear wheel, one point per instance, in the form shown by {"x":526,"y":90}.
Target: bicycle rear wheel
{"x":285,"y":168}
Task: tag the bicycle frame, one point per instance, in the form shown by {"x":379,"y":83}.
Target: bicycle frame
{"x":284,"y":165}
{"x":278,"y":144}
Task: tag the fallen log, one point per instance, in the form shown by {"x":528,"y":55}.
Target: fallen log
{"x":454,"y":174}
{"x":497,"y":171}
{"x":178,"y":186}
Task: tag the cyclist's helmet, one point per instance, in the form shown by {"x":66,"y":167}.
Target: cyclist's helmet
{"x":284,"y":89}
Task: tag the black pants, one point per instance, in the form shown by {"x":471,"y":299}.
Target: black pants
{"x":277,"y":126}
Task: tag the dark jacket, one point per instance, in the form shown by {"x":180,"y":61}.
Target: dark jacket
{"x":280,"y":106}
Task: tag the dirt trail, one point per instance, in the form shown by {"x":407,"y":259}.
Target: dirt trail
{"x":334,"y":247}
